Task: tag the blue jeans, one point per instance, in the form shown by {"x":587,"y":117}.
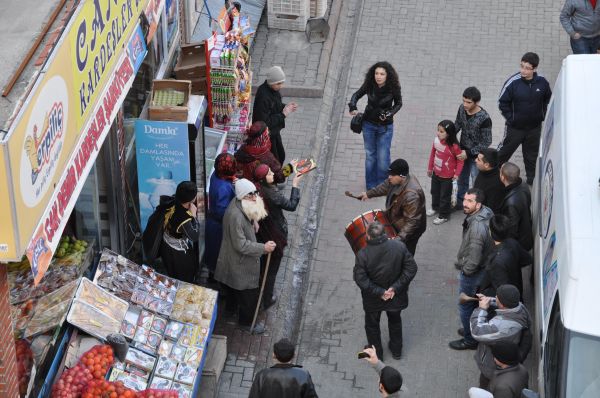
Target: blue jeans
{"x":378,"y":140}
{"x":466,"y":179}
{"x":468,"y":284}
{"x":585,"y":45}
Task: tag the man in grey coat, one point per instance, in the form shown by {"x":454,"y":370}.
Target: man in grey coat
{"x":511,"y":323}
{"x":581,"y":20}
{"x":238,"y":265}
{"x":475,"y":246}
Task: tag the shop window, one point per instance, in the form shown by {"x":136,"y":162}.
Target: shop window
{"x":172,"y":12}
{"x":86,"y":215}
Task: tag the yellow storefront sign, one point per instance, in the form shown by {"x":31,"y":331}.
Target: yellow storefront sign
{"x":45,"y":133}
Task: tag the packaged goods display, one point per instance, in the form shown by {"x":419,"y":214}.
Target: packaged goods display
{"x":164,"y":353}
{"x":51,"y":310}
{"x":92,"y":320}
{"x":140,"y":359}
{"x":99,"y":298}
{"x":191,"y":301}
{"x":183,"y":391}
{"x":185,"y":374}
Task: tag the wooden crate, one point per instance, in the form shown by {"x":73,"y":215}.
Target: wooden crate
{"x":191,"y":63}
{"x":177,"y":113}
{"x":199,"y":87}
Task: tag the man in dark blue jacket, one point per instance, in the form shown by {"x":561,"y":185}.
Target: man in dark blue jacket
{"x":523,"y":102}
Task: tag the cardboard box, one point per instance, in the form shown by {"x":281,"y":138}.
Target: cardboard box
{"x":175,"y":113}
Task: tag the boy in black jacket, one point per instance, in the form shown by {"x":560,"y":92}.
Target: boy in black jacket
{"x":523,"y":102}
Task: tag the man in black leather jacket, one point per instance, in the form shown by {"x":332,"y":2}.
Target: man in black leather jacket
{"x":516,"y":205}
{"x":284,"y":379}
{"x":383,"y":271}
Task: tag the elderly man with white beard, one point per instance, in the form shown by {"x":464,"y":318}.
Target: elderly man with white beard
{"x":238,"y":265}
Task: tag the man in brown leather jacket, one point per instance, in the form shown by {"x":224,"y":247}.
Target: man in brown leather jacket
{"x":404,"y":203}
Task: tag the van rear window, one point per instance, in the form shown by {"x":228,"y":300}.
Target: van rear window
{"x":583,"y":370}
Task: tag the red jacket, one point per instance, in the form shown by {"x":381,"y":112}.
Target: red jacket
{"x":443,"y":160}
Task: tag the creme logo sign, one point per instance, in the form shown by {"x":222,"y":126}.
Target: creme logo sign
{"x":44,"y":140}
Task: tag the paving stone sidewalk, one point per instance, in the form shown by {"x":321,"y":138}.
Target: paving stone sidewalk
{"x":438,"y":49}
{"x":438,"y":52}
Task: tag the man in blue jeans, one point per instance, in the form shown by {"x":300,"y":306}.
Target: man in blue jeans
{"x":475,"y":127}
{"x":581,"y":21}
{"x":475,"y":246}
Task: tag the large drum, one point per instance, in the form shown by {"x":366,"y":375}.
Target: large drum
{"x":356,"y":231}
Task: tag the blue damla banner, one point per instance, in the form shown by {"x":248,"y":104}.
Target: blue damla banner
{"x":163,"y":161}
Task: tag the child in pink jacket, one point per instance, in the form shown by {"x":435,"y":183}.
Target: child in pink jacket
{"x":444,"y":167}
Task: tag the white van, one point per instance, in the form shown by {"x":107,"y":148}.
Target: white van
{"x":567,"y":234}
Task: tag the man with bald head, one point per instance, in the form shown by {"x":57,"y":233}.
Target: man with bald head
{"x":516,"y":205}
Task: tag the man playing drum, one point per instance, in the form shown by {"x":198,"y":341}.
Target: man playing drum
{"x":405,"y":203}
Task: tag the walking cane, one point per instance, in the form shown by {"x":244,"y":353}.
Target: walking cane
{"x":262,"y":289}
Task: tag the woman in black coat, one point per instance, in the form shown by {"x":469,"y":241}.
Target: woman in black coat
{"x":382,"y":88}
{"x":274,"y":227}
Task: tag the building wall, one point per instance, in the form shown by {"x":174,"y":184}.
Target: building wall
{"x":8,"y":357}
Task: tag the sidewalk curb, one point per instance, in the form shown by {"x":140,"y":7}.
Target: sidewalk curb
{"x":304,"y":244}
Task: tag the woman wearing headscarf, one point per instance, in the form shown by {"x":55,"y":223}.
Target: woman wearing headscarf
{"x":257,"y":149}
{"x":181,"y":231}
{"x":274,"y":227}
{"x":220,"y":193}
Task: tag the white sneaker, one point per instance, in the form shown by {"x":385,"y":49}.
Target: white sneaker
{"x":430,"y":212}
{"x":438,"y":221}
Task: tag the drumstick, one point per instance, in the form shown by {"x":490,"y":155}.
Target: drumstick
{"x":349,"y":194}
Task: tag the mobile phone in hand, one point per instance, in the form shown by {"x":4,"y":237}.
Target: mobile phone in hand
{"x":363,"y":354}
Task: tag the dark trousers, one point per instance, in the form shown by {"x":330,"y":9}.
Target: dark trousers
{"x":373,"y":331}
{"x":277,"y":147}
{"x":441,"y":193}
{"x":530,"y":143}
{"x":411,"y":244}
{"x":271,"y":275}
{"x":484,"y":382}
{"x":244,"y":301}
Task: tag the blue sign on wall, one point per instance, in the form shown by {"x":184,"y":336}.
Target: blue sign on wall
{"x":163,"y":161}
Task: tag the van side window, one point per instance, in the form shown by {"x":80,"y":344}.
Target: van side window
{"x":554,"y":353}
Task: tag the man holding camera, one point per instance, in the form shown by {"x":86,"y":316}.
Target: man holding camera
{"x":390,"y":380}
{"x":383,"y":271}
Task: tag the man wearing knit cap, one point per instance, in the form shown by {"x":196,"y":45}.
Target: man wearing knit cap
{"x":510,"y":377}
{"x":404,"y":203}
{"x":269,"y":108}
{"x":512,"y":323}
{"x":238,"y":265}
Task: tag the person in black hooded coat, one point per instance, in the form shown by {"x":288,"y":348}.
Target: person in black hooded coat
{"x":383,"y":271}
{"x":503,"y":265}
{"x":516,"y":205}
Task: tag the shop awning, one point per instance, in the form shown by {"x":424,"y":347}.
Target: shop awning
{"x":251,"y":8}
{"x":54,"y":140}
